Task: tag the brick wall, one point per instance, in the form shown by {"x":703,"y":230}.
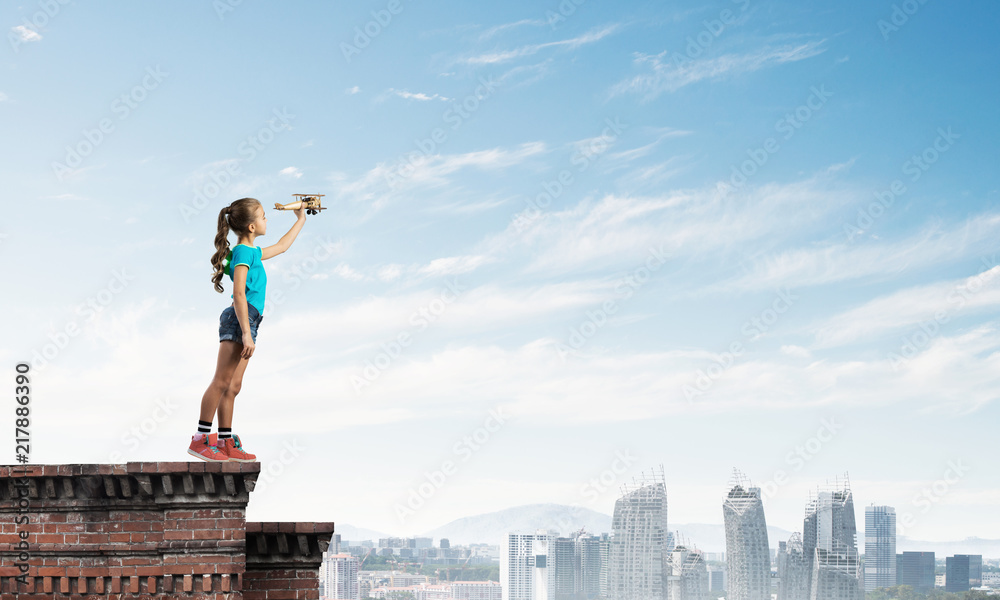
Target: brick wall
{"x":283,"y":560}
{"x":148,"y":529}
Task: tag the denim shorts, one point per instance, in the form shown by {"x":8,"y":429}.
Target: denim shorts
{"x":229,"y":324}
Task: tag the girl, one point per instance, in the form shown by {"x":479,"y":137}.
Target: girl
{"x":238,"y":323}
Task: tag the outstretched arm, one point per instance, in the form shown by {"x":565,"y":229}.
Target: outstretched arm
{"x":286,"y":240}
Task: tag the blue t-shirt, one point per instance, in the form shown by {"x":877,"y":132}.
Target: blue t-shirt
{"x":251,"y":256}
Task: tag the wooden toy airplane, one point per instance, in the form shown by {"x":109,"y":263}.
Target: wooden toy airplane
{"x":310,"y":202}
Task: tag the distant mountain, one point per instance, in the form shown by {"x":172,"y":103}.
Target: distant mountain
{"x":356,"y":534}
{"x":493,"y":527}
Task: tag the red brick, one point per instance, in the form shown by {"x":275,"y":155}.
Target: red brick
{"x":281,"y":595}
{"x":230,"y":524}
{"x":53,"y":518}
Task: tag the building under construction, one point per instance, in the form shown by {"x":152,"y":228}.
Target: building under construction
{"x":688,"y":578}
{"x":829,"y":541}
{"x":748,"y":558}
{"x":794,"y":570}
{"x":640,"y":549}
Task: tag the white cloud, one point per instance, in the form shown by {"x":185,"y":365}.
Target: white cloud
{"x":3,"y":97}
{"x":669,"y":74}
{"x":934,"y":304}
{"x":524,"y":75}
{"x":25,"y":34}
{"x":572,"y":43}
{"x":406,"y":95}
{"x":344,"y":270}
{"x":956,"y":375}
{"x":467,"y":207}
{"x":353,"y":90}
{"x":293,"y":172}
{"x":492,"y":31}
{"x":390,"y":272}
{"x":641,"y":151}
{"x":821,"y":264}
{"x":796,"y":351}
{"x":454,"y":265}
{"x":426,"y":171}
{"x":619,"y":229}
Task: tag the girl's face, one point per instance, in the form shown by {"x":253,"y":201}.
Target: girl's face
{"x":259,"y":225}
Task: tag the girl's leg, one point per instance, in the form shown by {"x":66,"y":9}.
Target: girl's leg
{"x":229,"y":396}
{"x":228,"y":362}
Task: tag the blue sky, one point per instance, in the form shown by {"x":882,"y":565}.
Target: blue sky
{"x":738,"y":234}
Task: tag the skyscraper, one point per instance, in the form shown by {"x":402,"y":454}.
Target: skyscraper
{"x":605,"y":590}
{"x":340,"y":577}
{"x":829,"y":541}
{"x":975,"y":570}
{"x":915,"y":569}
{"x":568,"y":575}
{"x":640,"y":552}
{"x":593,"y":565}
{"x":525,"y":572}
{"x":956,"y":578}
{"x":880,"y":547}
{"x":794,"y":570}
{"x":688,"y":578}
{"x":748,"y":559}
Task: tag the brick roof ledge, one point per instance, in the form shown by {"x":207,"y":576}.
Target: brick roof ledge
{"x":284,"y":556}
{"x":149,"y":528}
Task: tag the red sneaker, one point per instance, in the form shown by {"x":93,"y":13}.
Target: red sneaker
{"x":204,"y":447}
{"x":234,"y":450}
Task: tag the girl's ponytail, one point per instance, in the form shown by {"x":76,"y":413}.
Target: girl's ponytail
{"x":221,"y":248}
{"x":237,"y":216}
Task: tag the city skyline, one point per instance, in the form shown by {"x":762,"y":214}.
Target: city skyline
{"x":571,"y":524}
{"x":564,"y":242}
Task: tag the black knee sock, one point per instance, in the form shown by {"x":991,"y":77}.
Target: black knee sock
{"x":204,"y":428}
{"x":225,"y":432}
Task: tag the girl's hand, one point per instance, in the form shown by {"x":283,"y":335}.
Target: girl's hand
{"x":300,"y":213}
{"x":248,"y":346}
